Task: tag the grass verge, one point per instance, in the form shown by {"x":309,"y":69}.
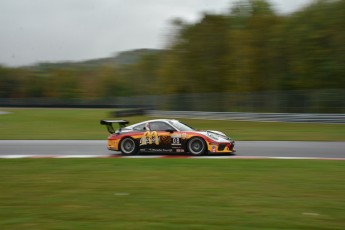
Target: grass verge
{"x":171,"y":194}
{"x":83,"y":124}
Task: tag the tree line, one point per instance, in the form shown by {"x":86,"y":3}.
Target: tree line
{"x":250,"y":48}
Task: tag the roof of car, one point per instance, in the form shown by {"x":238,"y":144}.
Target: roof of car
{"x":160,"y":120}
{"x":153,"y":120}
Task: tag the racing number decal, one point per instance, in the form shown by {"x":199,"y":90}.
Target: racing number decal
{"x":149,"y":138}
{"x":176,"y":141}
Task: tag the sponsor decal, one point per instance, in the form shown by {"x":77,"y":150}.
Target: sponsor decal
{"x":161,"y":150}
{"x":150,"y":138}
{"x":183,"y":136}
{"x":213,"y":148}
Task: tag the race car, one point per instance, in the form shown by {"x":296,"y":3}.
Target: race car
{"x":165,"y":136}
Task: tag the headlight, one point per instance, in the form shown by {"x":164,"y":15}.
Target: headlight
{"x":213,"y":136}
{"x":217,"y":137}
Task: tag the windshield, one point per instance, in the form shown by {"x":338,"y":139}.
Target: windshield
{"x":180,"y":126}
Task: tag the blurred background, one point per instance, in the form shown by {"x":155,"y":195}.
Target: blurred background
{"x":247,"y":57}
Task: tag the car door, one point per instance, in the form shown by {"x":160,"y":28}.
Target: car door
{"x":160,"y":134}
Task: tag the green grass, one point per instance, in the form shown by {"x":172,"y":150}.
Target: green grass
{"x":171,"y":194}
{"x":83,"y":124}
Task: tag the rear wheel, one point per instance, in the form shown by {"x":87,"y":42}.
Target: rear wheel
{"x":128,"y":146}
{"x":196,"y":146}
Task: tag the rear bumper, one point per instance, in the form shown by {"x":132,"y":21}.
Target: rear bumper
{"x":113,"y":145}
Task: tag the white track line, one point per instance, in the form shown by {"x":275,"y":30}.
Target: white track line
{"x":78,"y":156}
{"x":165,"y":156}
{"x":16,"y":156}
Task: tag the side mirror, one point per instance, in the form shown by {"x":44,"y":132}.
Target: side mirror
{"x":170,"y":130}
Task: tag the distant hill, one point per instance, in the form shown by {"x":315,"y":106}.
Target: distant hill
{"x":122,"y":58}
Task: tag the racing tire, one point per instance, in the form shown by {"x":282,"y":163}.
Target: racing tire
{"x":196,"y":146}
{"x":128,"y":146}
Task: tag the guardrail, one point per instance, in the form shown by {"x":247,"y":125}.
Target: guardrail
{"x":262,"y":117}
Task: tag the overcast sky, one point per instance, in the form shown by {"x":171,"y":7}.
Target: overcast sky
{"x":35,"y":31}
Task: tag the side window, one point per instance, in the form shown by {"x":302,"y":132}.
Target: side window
{"x":139,"y":127}
{"x":159,"y":126}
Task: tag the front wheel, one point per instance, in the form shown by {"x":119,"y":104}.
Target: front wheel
{"x":196,"y":146}
{"x":128,"y":146}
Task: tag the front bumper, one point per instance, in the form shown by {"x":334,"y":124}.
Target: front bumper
{"x":228,"y":147}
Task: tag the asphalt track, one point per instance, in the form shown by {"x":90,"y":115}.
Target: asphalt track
{"x":245,"y":149}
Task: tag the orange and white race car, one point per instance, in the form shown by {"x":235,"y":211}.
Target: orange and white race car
{"x":165,"y":136}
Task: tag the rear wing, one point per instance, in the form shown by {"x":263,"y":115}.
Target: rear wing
{"x":109,"y":124}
